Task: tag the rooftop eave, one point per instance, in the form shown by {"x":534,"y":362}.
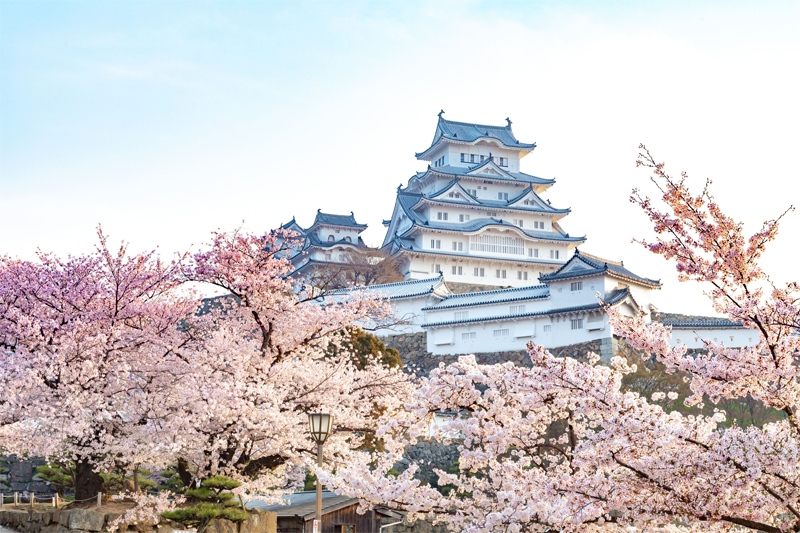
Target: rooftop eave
{"x":425,"y":155}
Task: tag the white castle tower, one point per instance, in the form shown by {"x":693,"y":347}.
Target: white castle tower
{"x":473,"y":215}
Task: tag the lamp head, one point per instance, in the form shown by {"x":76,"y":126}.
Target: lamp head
{"x":321,"y":425}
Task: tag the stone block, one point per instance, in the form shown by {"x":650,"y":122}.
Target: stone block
{"x":86,"y":519}
{"x":221,"y":526}
{"x":22,"y":471}
{"x":39,"y":486}
{"x":53,"y":528}
{"x":63,"y":517}
{"x":259,"y":522}
{"x":19,"y":486}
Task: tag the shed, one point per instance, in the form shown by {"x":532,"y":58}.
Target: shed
{"x":296,"y":514}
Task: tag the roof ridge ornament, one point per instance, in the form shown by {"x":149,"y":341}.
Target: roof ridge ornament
{"x":440,"y":114}
{"x":508,"y":120}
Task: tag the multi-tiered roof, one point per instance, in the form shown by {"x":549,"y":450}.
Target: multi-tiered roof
{"x":456,"y":184}
{"x":313,"y":240}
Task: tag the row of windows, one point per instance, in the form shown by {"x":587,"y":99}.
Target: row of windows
{"x":534,"y":252}
{"x":494,"y":244}
{"x":576,"y":286}
{"x":473,"y":158}
{"x":478,"y":272}
{"x":331,"y":238}
{"x":500,"y":333}
{"x":439,"y":162}
{"x":329,"y":257}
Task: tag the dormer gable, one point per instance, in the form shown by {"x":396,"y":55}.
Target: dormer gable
{"x":454,"y":192}
{"x":488,"y":168}
{"x":529,"y":199}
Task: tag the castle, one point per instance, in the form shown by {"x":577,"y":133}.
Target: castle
{"x":473,"y":218}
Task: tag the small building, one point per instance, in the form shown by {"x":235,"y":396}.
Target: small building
{"x":297,"y":512}
{"x":328,"y":241}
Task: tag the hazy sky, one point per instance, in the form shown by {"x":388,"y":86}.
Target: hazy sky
{"x":166,"y":120}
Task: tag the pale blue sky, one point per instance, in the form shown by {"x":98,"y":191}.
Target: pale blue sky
{"x":166,"y":120}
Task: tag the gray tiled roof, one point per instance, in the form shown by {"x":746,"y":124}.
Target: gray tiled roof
{"x":462,"y":171}
{"x":678,"y":321}
{"x":337,"y":220}
{"x":470,"y":132}
{"x":480,"y":223}
{"x":401,"y":289}
{"x":491,"y":297}
{"x":301,"y":503}
{"x":596,"y":266}
{"x":615,"y":297}
{"x":484,"y":202}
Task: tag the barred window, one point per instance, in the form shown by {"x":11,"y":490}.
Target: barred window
{"x":500,"y":333}
{"x":468,"y":336}
{"x":576,"y":286}
{"x":497,"y":244}
{"x":576,"y":323}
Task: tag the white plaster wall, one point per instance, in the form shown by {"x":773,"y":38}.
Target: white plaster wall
{"x":732,"y":338}
{"x":459,"y":339}
{"x":455,"y":151}
{"x":338,"y":234}
{"x":563,"y":296}
{"x":421,"y":267}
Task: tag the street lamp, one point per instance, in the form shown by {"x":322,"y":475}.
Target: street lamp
{"x":321,"y":425}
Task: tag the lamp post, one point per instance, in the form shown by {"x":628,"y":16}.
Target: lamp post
{"x":321,"y":425}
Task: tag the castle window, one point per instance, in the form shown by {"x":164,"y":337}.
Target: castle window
{"x":460,"y":270}
{"x":463,"y":218}
{"x":461,"y":315}
{"x":576,"y":286}
{"x":518,"y":222}
{"x":341,"y":258}
{"x":463,"y":158}
{"x":501,"y":273}
{"x":553,"y":254}
{"x":517,"y":309}
{"x":471,"y":158}
{"x":533,"y":252}
{"x":468,"y":336}
{"x":331,"y":238}
{"x":503,"y":161}
{"x":478,"y":272}
{"x":327,"y":257}
{"x":502,"y":196}
{"x":576,"y":323}
{"x":547,"y":328}
{"x":454,"y":269}
{"x":436,"y":269}
{"x":500,"y":333}
{"x":348,"y":239}
{"x":525,"y":276}
{"x":483,"y":157}
{"x":458,"y":246}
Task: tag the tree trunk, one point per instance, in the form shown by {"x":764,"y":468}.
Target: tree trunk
{"x":136,"y":479}
{"x":184,"y":474}
{"x":87,"y":482}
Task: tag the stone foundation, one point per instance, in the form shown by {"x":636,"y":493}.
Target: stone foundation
{"x":88,"y":520}
{"x":460,"y":288}
{"x":18,"y":475}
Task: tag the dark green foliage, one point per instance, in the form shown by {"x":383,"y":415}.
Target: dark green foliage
{"x":60,"y":476}
{"x":211,"y":500}
{"x":363,"y":346}
{"x":114,"y":481}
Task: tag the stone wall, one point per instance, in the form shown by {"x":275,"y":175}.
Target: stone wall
{"x":460,"y":288}
{"x":89,"y":520}
{"x":18,"y":475}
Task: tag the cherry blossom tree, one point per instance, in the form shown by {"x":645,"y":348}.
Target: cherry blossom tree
{"x":268,"y":361}
{"x":564,"y":446}
{"x":90,"y":348}
{"x":111,"y":361}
